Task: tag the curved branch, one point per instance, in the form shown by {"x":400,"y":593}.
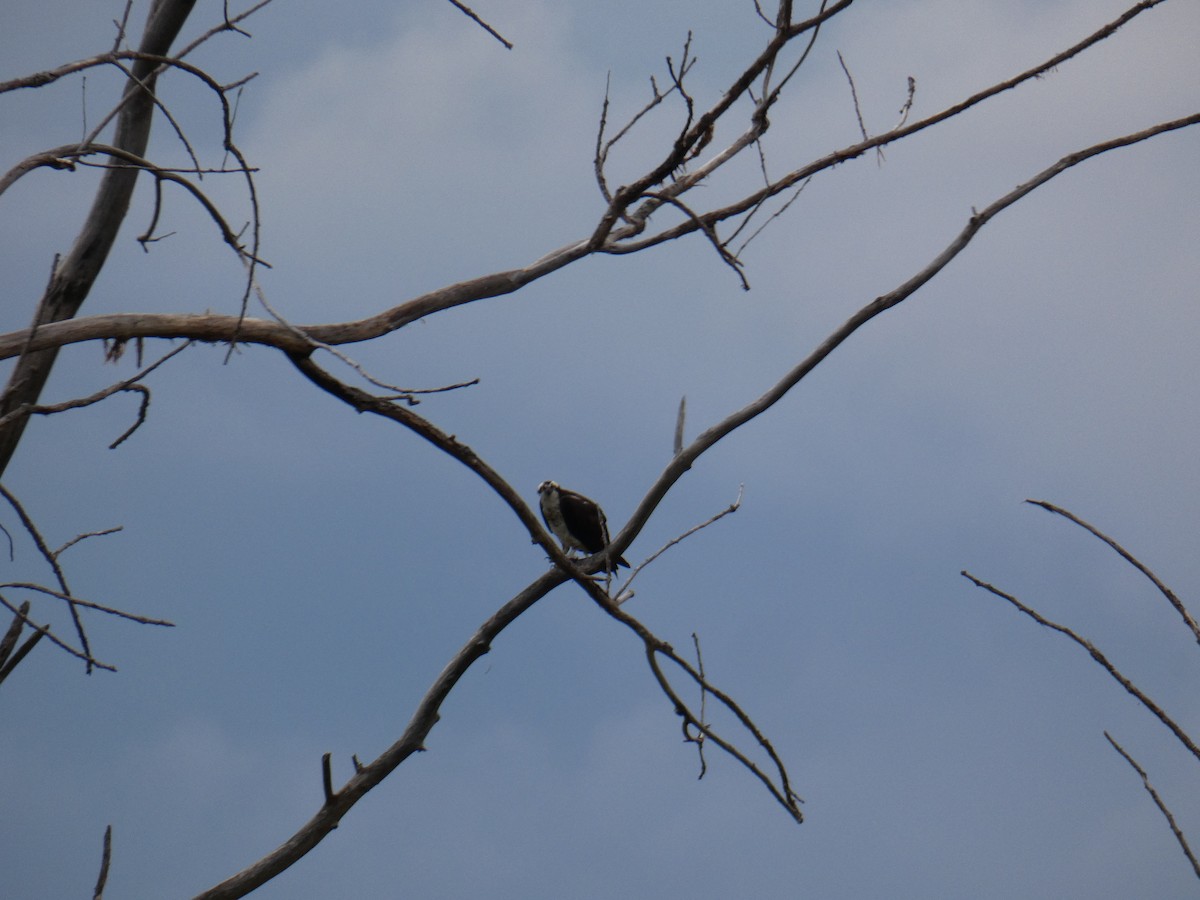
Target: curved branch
{"x":128,"y":384}
{"x":290,"y":339}
{"x":1160,"y":803}
{"x":1171,"y":596}
{"x":215,"y":328}
{"x":703,"y":442}
{"x":1157,"y":711}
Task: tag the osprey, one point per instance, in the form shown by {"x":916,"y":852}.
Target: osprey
{"x":575,"y":520}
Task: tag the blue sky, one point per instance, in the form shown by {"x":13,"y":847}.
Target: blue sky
{"x":322,"y":567}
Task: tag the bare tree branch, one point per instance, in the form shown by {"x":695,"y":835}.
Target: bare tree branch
{"x":622,"y":228}
{"x":8,"y":659}
{"x":1158,"y":801}
{"x":339,"y":802}
{"x":624,"y":237}
{"x":680,"y":418}
{"x":44,"y":631}
{"x":411,"y":741}
{"x":105,"y":860}
{"x":64,"y":593}
{"x":862,"y":127}
{"x":624,"y":593}
{"x":23,"y":650}
{"x":684,"y":461}
{"x":129,"y":384}
{"x":74,"y":276}
{"x":1099,"y":657}
{"x":87,"y":604}
{"x":291,"y":339}
{"x":471,"y":14}
{"x":698,"y":738}
{"x":1113,"y":672}
{"x":1129,"y":558}
{"x":84,"y":536}
{"x":52,"y":560}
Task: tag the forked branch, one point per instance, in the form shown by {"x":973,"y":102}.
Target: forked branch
{"x":606,"y":238}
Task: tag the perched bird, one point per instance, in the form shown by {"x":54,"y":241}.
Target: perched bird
{"x":575,"y":520}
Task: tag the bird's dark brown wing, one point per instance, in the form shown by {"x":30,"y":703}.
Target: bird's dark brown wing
{"x":584,"y":519}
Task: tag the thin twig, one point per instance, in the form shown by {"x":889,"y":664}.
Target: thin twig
{"x":1158,"y":801}
{"x":87,"y":604}
{"x":1099,"y":657}
{"x":854,"y":95}
{"x":775,"y":215}
{"x":624,"y":592}
{"x":782,"y":792}
{"x":709,"y":230}
{"x":1129,"y":558}
{"x":228,"y":23}
{"x":87,"y":534}
{"x":162,"y":108}
{"x":698,"y":739}
{"x":122,"y":24}
{"x":44,"y":630}
{"x":51,"y":560}
{"x":129,"y":385}
{"x":396,"y":392}
{"x":484,"y":25}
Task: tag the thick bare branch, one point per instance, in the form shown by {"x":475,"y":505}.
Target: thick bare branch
{"x":75,"y":274}
{"x":290,"y":339}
